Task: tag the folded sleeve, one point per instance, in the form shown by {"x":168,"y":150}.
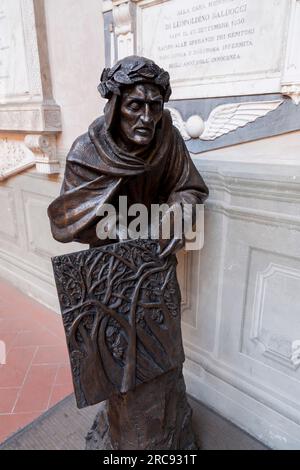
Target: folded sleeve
{"x":182,"y":181}
{"x":73,"y":215}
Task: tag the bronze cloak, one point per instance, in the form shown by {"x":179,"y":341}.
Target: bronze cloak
{"x":98,"y":172}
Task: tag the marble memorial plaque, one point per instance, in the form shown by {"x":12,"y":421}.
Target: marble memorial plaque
{"x":13,"y":67}
{"x":204,"y":44}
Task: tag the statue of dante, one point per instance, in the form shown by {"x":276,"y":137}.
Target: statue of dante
{"x":134,"y":151}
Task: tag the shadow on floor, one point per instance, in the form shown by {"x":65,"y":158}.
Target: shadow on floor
{"x":64,"y":428}
{"x":216,"y":433}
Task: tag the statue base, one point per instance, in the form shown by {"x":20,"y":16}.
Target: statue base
{"x":155,"y":416}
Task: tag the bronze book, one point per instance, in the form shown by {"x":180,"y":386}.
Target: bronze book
{"x":120,"y":307}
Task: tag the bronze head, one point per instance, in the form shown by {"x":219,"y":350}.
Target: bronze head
{"x":136,"y":89}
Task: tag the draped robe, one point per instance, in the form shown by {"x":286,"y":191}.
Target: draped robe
{"x":98,"y":172}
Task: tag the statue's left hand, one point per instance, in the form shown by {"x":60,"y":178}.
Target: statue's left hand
{"x":176,"y":241}
{"x":169,"y":247}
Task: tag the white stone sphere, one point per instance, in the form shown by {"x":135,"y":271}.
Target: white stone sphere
{"x":195,"y":126}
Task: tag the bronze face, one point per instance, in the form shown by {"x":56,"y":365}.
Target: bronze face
{"x":140,"y":111}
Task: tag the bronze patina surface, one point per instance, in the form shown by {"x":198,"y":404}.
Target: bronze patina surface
{"x":120,"y":301}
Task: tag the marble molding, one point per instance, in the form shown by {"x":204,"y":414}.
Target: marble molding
{"x":123,"y":15}
{"x":247,"y":351}
{"x":26,"y":101}
{"x":43,"y":148}
{"x":290,"y":81}
{"x":14,"y":158}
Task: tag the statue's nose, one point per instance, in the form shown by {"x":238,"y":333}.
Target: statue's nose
{"x":146,"y":116}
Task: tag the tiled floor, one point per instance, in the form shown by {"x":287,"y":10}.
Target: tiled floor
{"x":37,"y":374}
{"x":65,"y":427}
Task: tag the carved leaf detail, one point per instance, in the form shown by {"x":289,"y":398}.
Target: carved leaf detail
{"x":123,"y":78}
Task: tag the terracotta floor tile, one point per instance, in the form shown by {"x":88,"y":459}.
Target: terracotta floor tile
{"x":51,"y":355}
{"x":59,"y":392}
{"x":50,"y":318}
{"x":35,"y":393}
{"x":36,"y":337}
{"x":13,"y":323}
{"x":37,"y":374}
{"x":7,"y":290}
{"x":5,"y":307}
{"x":64,"y":375}
{"x":32,"y":309}
{"x":57,"y":329}
{"x":18,"y":361}
{"x":8,"y":337}
{"x":8,"y":398}
{"x":9,"y":424}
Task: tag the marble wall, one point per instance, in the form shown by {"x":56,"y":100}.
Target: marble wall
{"x":240,"y":293}
{"x":76,"y":55}
{"x":76,"y":58}
{"x":242,"y":326}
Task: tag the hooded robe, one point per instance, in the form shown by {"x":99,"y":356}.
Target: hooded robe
{"x":98,"y":172}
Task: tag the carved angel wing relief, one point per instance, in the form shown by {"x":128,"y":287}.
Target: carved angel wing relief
{"x":179,"y":123}
{"x":223,"y":119}
{"x":229,"y":117}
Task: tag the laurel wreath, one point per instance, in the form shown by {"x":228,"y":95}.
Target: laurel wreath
{"x":126,"y":73}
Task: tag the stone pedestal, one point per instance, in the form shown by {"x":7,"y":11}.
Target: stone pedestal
{"x":156,"y":416}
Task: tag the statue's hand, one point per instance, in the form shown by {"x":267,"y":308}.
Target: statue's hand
{"x":110,"y":228}
{"x":169,"y":247}
{"x":176,"y":240}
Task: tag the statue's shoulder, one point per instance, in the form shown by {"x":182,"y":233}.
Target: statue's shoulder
{"x":80,"y":147}
{"x":83,"y":148}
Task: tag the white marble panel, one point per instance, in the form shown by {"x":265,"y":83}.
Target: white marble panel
{"x":8,"y":216}
{"x":237,"y":43}
{"x":14,"y":80}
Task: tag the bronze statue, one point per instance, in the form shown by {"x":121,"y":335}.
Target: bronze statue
{"x":120,"y":300}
